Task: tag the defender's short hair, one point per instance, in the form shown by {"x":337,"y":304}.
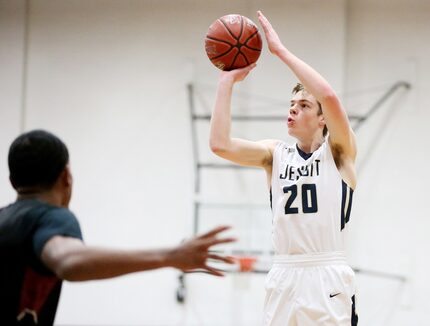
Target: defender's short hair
{"x":36,"y":159}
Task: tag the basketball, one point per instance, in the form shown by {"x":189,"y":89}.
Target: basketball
{"x":232,"y":42}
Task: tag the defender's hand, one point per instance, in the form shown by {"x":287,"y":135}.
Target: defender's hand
{"x":194,"y":253}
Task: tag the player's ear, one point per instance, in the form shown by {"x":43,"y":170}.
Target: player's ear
{"x":68,"y":179}
{"x":65,"y":177}
{"x":321,"y":121}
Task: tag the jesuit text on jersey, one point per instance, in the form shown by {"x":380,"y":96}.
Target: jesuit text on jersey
{"x":293,"y":173}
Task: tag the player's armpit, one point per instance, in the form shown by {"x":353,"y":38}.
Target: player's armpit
{"x":345,"y":164}
{"x":343,"y":146}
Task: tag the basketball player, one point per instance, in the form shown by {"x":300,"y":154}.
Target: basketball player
{"x":311,"y":184}
{"x":41,"y":242}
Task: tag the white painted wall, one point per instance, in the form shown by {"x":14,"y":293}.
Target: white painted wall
{"x":387,"y":42}
{"x":109,"y":78}
{"x":11,"y":83}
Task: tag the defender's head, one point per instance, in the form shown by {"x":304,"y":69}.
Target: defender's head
{"x":38,"y":162}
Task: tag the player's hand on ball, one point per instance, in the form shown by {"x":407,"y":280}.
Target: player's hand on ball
{"x":273,"y":41}
{"x":238,"y":74}
{"x":193,"y":254}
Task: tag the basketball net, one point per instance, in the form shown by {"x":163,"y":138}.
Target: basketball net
{"x":246,"y":263}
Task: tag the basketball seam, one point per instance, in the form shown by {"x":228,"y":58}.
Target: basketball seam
{"x":251,"y":48}
{"x":218,"y":40}
{"x":244,"y":44}
{"x":246,"y":58}
{"x":241,"y":29}
{"x":223,"y":54}
{"x":220,"y":55}
{"x":238,"y":41}
{"x":235,"y":57}
{"x":228,"y":29}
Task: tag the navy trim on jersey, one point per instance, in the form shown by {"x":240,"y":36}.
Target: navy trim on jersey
{"x":303,"y":154}
{"x":354,"y":316}
{"x":270,"y":193}
{"x":347,"y":194}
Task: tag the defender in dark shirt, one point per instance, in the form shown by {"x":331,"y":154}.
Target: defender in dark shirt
{"x":29,"y":288}
{"x":41,"y":241}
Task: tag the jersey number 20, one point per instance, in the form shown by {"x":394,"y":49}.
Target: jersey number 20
{"x":309,"y":198}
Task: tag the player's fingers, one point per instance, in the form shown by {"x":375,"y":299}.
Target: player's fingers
{"x":200,"y":270}
{"x":214,"y":271}
{"x":214,"y":242}
{"x":214,"y":231}
{"x":251,"y":66}
{"x":225,"y":259}
{"x":267,"y":26}
{"x":246,"y":69}
{"x":263,"y":20}
{"x":260,"y":14}
{"x":194,"y":270}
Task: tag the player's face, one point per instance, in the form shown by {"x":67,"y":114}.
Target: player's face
{"x":303,"y":119}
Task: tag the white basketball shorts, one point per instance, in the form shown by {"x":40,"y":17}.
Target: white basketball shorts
{"x":310,"y":290}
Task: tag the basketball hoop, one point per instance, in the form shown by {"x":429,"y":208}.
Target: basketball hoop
{"x":246,"y":263}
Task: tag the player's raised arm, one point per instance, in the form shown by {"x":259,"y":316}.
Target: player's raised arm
{"x":340,"y":133}
{"x":237,"y":150}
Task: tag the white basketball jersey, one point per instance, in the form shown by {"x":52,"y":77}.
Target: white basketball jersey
{"x":311,"y":204}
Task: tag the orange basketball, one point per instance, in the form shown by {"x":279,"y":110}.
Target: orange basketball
{"x":232,"y":42}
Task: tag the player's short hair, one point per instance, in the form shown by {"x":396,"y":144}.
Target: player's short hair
{"x":36,"y":159}
{"x":298,"y":88}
